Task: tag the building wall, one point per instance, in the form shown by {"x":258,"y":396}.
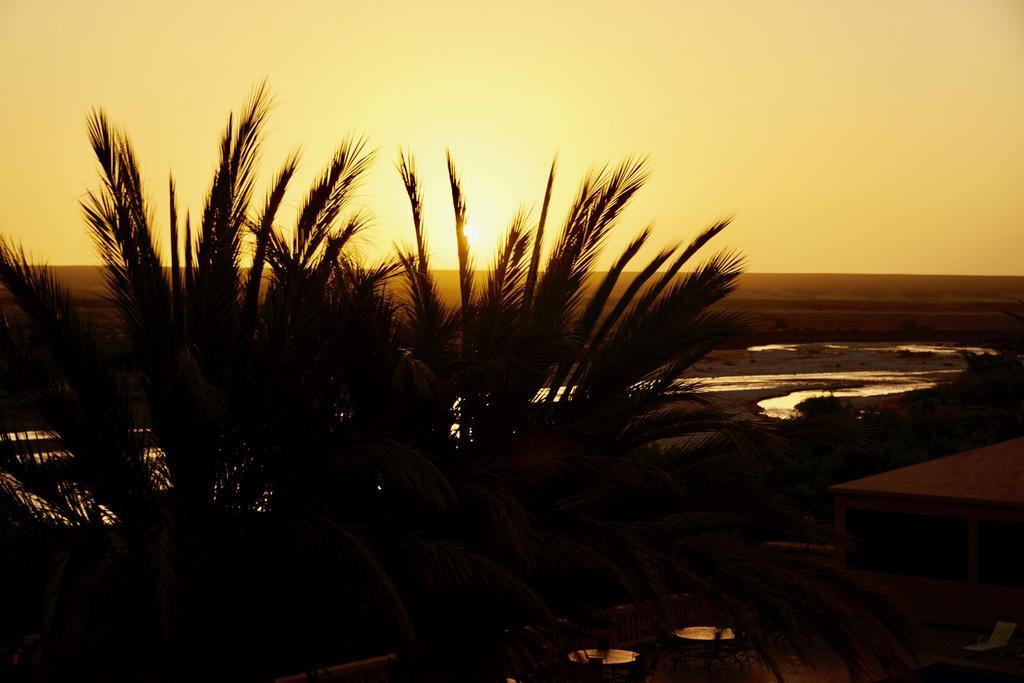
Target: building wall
{"x":952,"y":603}
{"x":934,"y":600}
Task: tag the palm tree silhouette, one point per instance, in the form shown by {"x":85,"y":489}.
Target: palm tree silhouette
{"x":316,"y":457}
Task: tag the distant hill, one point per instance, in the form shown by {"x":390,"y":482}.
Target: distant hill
{"x":760,"y":286}
{"x":849,"y":287}
{"x":801,"y":307}
{"x":853,"y":287}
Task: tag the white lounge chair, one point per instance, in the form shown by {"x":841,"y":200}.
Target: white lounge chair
{"x":996,"y":643}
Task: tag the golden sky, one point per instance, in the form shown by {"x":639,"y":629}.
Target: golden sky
{"x":847,"y":136}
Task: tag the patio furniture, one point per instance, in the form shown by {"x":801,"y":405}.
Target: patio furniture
{"x":610,"y":665}
{"x":739,"y":651}
{"x":607,"y":657}
{"x":996,"y":643}
{"x":651,"y":657}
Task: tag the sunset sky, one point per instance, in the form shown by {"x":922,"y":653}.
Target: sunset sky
{"x":859,"y":136}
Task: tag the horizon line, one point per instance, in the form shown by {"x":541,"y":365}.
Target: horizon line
{"x":628,"y":272}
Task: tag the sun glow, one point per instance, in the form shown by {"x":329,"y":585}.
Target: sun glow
{"x":932,"y":88}
{"x":472,"y":236}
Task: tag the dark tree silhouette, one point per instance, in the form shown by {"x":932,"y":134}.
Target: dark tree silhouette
{"x":316,"y":457}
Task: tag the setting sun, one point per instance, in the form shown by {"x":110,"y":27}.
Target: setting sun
{"x":472,"y":236}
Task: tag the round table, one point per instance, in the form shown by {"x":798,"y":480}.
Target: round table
{"x":606,"y":657}
{"x":704,"y":633}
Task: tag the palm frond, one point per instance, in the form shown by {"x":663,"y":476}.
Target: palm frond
{"x":328,"y":198}
{"x":264,"y":227}
{"x":602,"y":197}
{"x":73,"y":385}
{"x":120,"y":224}
{"x":214,"y":293}
{"x":538,"y":239}
{"x":413,"y":189}
{"x":504,"y":287}
{"x":176,"y":289}
{"x":466,"y":269}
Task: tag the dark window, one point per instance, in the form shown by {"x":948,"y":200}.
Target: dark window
{"x":911,"y":545}
{"x":1000,"y":553}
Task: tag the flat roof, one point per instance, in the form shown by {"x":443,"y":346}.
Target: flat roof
{"x":990,"y":475}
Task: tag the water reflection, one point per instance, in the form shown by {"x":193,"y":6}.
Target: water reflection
{"x":785,"y":406}
{"x":861,"y":369}
{"x":939,"y":348}
{"x":783,"y":381}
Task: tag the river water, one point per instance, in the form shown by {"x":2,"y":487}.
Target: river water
{"x":777,"y":377}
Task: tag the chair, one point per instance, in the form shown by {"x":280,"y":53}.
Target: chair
{"x":650,"y":660}
{"x":682,"y":653}
{"x":739,"y":652}
{"x":996,"y":643}
{"x":634,"y":672}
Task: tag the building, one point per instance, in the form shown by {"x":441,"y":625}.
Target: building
{"x":946,"y":536}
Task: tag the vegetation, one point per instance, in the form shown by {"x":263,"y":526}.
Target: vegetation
{"x":1014,"y":343}
{"x":316,"y":458}
{"x":833,"y":441}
